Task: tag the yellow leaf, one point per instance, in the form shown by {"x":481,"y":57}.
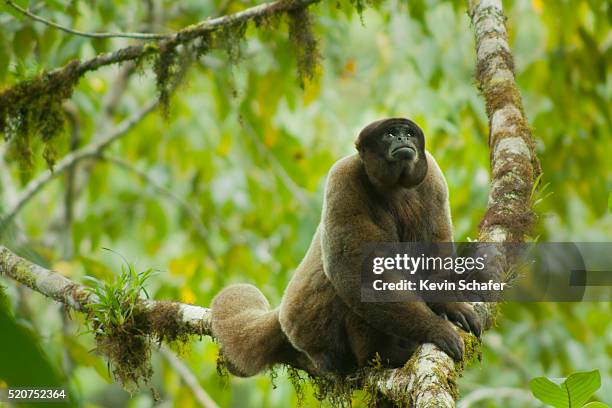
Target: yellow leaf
{"x":349,"y":68}
{"x":224,"y":147}
{"x":184,"y":266}
{"x":537,"y":5}
{"x":312,"y":88}
{"x":271,"y":136}
{"x":97,"y":84}
{"x":187,"y":295}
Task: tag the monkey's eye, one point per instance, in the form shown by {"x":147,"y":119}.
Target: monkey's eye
{"x":389,"y":135}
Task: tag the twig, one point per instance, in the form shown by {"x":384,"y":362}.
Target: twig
{"x":67,"y":161}
{"x":191,"y":213}
{"x":296,"y":190}
{"x":69,"y":193}
{"x":189,"y":378}
{"x":494,"y":393}
{"x":139,"y":36}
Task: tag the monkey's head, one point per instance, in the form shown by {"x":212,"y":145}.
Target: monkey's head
{"x":393,"y":153}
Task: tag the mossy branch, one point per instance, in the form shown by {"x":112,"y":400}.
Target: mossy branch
{"x":191,"y":33}
{"x":33,"y":107}
{"x":126,"y":346}
{"x":514,"y":163}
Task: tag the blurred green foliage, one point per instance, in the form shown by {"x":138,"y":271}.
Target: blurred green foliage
{"x":247,"y":149}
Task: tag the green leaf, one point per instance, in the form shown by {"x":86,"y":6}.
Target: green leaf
{"x":24,"y":41}
{"x":581,"y":386}
{"x":572,"y":392}
{"x":24,"y":360}
{"x":549,"y":392}
{"x":4,"y":58}
{"x":596,"y":405}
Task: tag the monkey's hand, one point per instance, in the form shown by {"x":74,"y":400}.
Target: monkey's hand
{"x":460,"y":313}
{"x":445,"y":336}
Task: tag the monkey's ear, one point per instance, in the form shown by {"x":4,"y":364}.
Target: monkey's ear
{"x":359,"y":146}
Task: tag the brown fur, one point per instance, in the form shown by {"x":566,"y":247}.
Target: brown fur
{"x":322,"y":325}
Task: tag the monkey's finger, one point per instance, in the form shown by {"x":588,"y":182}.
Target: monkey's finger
{"x":456,"y":347}
{"x":474,"y":324}
{"x":451,"y":345}
{"x":460,"y":318}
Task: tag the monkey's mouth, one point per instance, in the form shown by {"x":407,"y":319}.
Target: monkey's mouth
{"x":407,"y":151}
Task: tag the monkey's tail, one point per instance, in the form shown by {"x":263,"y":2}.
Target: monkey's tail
{"x":249,"y":331}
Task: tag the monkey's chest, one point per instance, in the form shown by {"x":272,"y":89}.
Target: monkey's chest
{"x":408,"y":219}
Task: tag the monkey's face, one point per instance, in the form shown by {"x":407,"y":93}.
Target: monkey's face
{"x":393,"y":152}
{"x":400,"y":143}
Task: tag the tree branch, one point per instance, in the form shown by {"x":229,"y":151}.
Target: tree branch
{"x":514,"y":164}
{"x":195,"y":319}
{"x":189,"y":378}
{"x":509,"y":215}
{"x":133,"y":52}
{"x":139,"y":36}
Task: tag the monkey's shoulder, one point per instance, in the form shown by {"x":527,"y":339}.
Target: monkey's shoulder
{"x":347,"y":177}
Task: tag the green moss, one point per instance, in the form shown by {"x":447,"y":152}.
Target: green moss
{"x":166,"y":324}
{"x":334,"y":389}
{"x":472,"y":348}
{"x":360,"y":6}
{"x":268,"y":21}
{"x":126,"y":327}
{"x":22,"y":273}
{"x":126,"y":347}
{"x":34,"y":108}
{"x":305,"y":45}
{"x":273,"y":374}
{"x":165,"y":68}
{"x":201,"y":46}
{"x":229,"y":38}
{"x":298,"y":381}
{"x":222,"y":371}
